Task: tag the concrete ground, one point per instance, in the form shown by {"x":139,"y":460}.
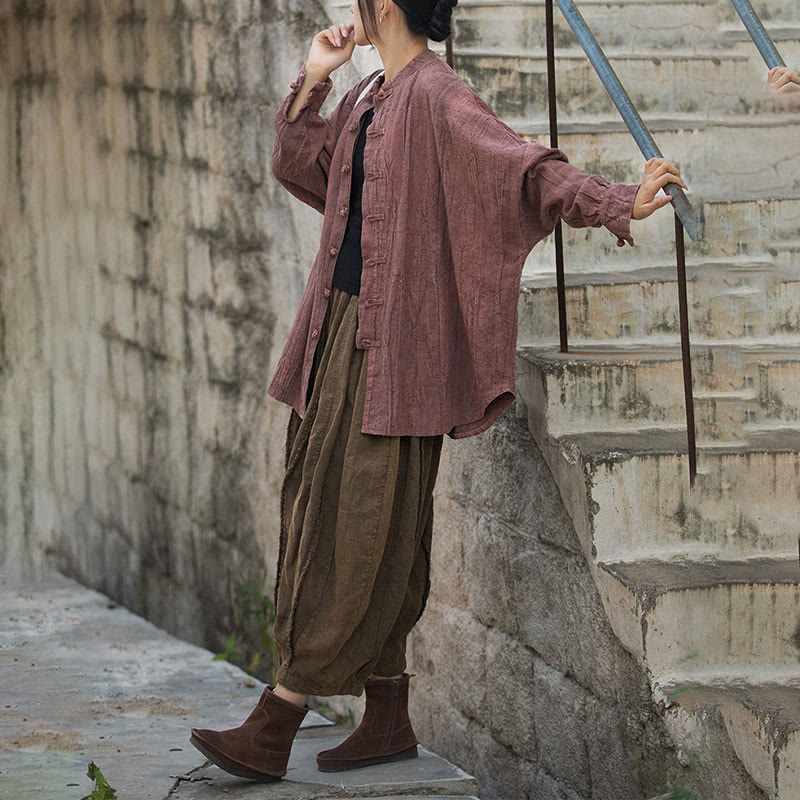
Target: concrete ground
{"x":83,"y":679}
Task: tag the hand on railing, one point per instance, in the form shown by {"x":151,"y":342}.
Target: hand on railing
{"x":658,"y":172}
{"x":782,"y":81}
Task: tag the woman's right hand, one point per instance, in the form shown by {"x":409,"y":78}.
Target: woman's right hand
{"x":781,"y":80}
{"x":330,"y":49}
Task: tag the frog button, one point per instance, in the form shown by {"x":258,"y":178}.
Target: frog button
{"x":333,"y":251}
{"x":346,"y":168}
{"x":326,"y":292}
{"x":314,"y":333}
{"x":343,"y":211}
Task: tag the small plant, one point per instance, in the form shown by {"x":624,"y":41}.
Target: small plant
{"x":675,"y":794}
{"x":679,"y":690}
{"x":102,"y":791}
{"x":254,"y":602}
{"x":328,"y":713}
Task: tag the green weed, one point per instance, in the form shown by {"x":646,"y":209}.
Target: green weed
{"x":255,"y":604}
{"x":102,"y":791}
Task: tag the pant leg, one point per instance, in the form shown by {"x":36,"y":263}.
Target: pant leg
{"x":392,"y":658}
{"x":350,"y":530}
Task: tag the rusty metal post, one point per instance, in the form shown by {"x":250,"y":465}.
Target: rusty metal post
{"x":683,"y":312}
{"x":561,"y":289}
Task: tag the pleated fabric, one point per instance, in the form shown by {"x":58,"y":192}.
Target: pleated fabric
{"x":353,"y":571}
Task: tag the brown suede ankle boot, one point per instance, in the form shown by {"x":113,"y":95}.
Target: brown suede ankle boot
{"x":259,"y":748}
{"x":384,"y":734}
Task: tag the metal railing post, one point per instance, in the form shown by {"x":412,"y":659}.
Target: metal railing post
{"x":685,"y":216}
{"x":561,"y":290}
{"x":686,"y":358}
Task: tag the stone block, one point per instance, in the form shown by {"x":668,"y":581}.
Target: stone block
{"x":47,"y":512}
{"x":174,"y":342}
{"x":545,"y":787}
{"x":98,"y":491}
{"x":202,"y":35}
{"x":208,"y":410}
{"x":203,"y":208}
{"x":222,"y":347}
{"x":559,"y":711}
{"x":194,"y":342}
{"x":251,"y":48}
{"x":135,"y":377}
{"x":201,"y":502}
{"x":455,"y":643}
{"x":168,"y":129}
{"x":169,"y":197}
{"x":613,"y":741}
{"x":118,"y":350}
{"x":42,"y":410}
{"x":108,"y":426}
{"x":224,"y":78}
{"x":229,"y":294}
{"x":200,"y":279}
{"x":129,"y":440}
{"x":510,"y":694}
{"x":150,"y":319}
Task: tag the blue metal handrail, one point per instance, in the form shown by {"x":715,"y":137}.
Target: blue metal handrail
{"x":683,"y":208}
{"x":758,"y":33}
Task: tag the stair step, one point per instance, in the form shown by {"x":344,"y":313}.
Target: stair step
{"x":733,"y":227}
{"x":707,"y":151}
{"x":624,"y":25}
{"x":602,"y":387}
{"x":514,"y":82}
{"x":686,"y":615}
{"x":762,"y":720}
{"x":619,"y":482}
{"x":727,"y":299}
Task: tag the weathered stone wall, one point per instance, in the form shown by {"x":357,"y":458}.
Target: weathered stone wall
{"x":150,"y":266}
{"x":520,"y":677}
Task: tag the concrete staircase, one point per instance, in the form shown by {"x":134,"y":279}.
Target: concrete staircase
{"x":702,"y":586}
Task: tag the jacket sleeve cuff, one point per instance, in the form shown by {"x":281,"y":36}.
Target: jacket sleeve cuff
{"x":314,"y":99}
{"x":617,"y":208}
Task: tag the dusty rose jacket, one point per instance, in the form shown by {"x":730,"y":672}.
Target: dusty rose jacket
{"x":453,"y":201}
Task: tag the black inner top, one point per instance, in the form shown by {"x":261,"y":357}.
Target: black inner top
{"x":347,"y":273}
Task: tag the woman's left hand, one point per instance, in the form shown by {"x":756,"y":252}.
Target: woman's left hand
{"x":658,"y":172}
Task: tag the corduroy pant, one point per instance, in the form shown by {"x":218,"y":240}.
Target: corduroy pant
{"x":356,"y":521}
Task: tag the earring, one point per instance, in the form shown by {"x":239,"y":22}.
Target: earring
{"x":380,"y":18}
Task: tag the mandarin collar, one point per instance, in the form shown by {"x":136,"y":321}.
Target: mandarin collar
{"x":382,"y":88}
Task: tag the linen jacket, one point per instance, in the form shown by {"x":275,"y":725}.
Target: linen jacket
{"x":453,"y":201}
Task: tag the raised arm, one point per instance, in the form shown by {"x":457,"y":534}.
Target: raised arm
{"x":305,"y":140}
{"x":527,"y":187}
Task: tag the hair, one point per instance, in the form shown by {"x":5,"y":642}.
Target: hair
{"x":431,"y":17}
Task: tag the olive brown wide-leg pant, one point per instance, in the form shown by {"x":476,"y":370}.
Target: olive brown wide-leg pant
{"x":356,"y":521}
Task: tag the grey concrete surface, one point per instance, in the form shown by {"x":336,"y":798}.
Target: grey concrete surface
{"x":83,"y":679}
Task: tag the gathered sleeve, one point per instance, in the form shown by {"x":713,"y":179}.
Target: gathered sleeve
{"x":303,"y":149}
{"x":525,"y":187}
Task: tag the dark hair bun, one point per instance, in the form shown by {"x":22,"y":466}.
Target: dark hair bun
{"x":439,"y":25}
{"x":431,"y":17}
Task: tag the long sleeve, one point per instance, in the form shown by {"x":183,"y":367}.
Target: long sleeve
{"x":304,"y":146}
{"x":522,"y":187}
{"x":554,"y":188}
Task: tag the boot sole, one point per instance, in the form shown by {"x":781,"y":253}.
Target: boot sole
{"x":234,"y":769}
{"x":403,"y":755}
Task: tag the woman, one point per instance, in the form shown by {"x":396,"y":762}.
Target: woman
{"x":406,"y":332}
